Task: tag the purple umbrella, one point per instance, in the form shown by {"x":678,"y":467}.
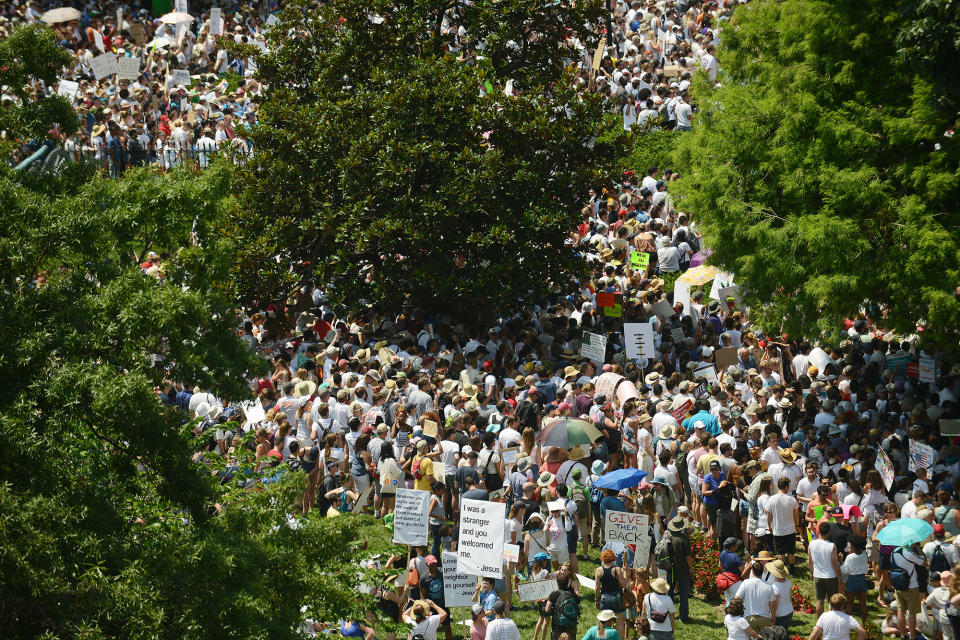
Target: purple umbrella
{"x":699,"y":258}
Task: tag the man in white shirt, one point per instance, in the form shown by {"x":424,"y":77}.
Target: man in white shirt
{"x":909,"y":509}
{"x":950,"y":552}
{"x":709,"y":63}
{"x":786,"y":468}
{"x":908,"y":600}
{"x":501,"y":627}
{"x":683,"y":111}
{"x":836,"y":624}
{"x":783,"y":514}
{"x":824,"y":566}
{"x":759,"y":599}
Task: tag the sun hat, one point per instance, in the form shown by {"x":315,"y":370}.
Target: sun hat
{"x":607,"y":615}
{"x":677,"y":525}
{"x":652,"y":377}
{"x":523,"y":464}
{"x":598,"y":467}
{"x":666,"y":432}
{"x":660,"y":585}
{"x":545,"y":479}
{"x":764,"y":556}
{"x":787,"y":455}
{"x":777,"y":569}
{"x":576,"y":454}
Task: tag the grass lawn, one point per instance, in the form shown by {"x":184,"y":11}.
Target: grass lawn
{"x":706,"y":617}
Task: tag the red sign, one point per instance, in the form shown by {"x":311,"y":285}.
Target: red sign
{"x":681,"y":411}
{"x":913,"y":369}
{"x":605,"y":300}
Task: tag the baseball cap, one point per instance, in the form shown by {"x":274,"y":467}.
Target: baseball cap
{"x":939,"y":530}
{"x":714,"y":464}
{"x":430,"y":560}
{"x":477,"y":608}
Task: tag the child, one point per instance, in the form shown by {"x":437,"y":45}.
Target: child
{"x":478,"y":626}
{"x":855,"y":567}
{"x":541,"y":571}
{"x":641,"y":583}
{"x":641,"y":627}
{"x":890,"y":625}
{"x":630,"y":609}
{"x":937,"y":603}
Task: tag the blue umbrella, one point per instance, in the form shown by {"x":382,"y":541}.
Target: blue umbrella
{"x":620,"y":479}
{"x":904,"y":532}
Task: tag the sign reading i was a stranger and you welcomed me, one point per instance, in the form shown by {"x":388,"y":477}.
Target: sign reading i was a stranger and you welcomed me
{"x":480,"y":546}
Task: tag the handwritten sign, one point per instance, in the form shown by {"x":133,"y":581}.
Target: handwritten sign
{"x":885,"y":467}
{"x":594,"y":346}
{"x":615,"y":311}
{"x":638,"y":339}
{"x":536,"y":589}
{"x":128,"y":68}
{"x":681,"y":296}
{"x":511,"y":552}
{"x":708,"y":373}
{"x":624,"y":527}
{"x":480,"y":545}
{"x":927,"y":369}
{"x":68,"y":88}
{"x":216,"y":21}
{"x":598,"y":54}
{"x":678,"y":335}
{"x":605,"y":300}
{"x":430,"y":428}
{"x":180,"y":77}
{"x":98,"y":40}
{"x":587,"y":583}
{"x":509,"y":455}
{"x":104,"y":66}
{"x":411,"y":518}
{"x":362,"y":500}
{"x":725,"y":357}
{"x":139,"y":34}
{"x":458,"y":588}
{"x":641,"y":555}
{"x":639,"y":260}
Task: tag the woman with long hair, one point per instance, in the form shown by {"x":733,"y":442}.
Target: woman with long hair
{"x":890,"y":513}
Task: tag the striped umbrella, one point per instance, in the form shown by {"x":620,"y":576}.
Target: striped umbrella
{"x":568,"y":432}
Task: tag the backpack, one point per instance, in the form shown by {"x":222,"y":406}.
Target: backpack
{"x":596,"y":495}
{"x":415,"y":468}
{"x":938,"y":561}
{"x":578,"y":493}
{"x":681,"y":463}
{"x":663,"y":552}
{"x":726,"y":580}
{"x":567,"y":611}
{"x":899,"y":577}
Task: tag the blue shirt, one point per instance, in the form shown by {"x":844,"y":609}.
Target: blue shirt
{"x":487,"y":600}
{"x":710,"y":423}
{"x":712,"y":484}
{"x":183,"y":400}
{"x":611,"y":503}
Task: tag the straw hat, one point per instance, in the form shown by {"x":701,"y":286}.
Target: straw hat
{"x":764,"y":556}
{"x":652,"y":378}
{"x":570,"y":372}
{"x":777,"y":569}
{"x":576,"y":454}
{"x":666,"y":432}
{"x":660,"y":585}
{"x":606,"y":615}
{"x":787,"y":455}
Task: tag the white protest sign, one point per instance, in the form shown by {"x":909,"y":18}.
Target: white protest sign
{"x":98,"y":40}
{"x":625,"y":527}
{"x":480,"y":546}
{"x":104,"y":66}
{"x":638,"y":338}
{"x":707,"y":372}
{"x":536,"y":589}
{"x":181,"y":77}
{"x":819,"y":359}
{"x":181,"y":32}
{"x":180,"y":6}
{"x":664,"y":310}
{"x":128,"y":68}
{"x":509,"y":455}
{"x":216,"y":21}
{"x":411,"y":517}
{"x":733,"y":291}
{"x":594,"y":346}
{"x":362,"y":500}
{"x":721,"y":280}
{"x":458,"y":588}
{"x":68,"y":88}
{"x":511,"y":552}
{"x":254,"y":413}
{"x":587,"y":583}
{"x":928,"y":369}
{"x":641,"y":555}
{"x":681,"y":295}
{"x":272,"y":20}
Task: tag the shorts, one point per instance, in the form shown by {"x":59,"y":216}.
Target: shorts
{"x":885,"y":563}
{"x":873,"y":551}
{"x":361,"y":483}
{"x":758,"y":623}
{"x":785,"y":545}
{"x":909,"y":600}
{"x":825,"y":587}
{"x":856,"y":584}
{"x":558,"y":555}
{"x":712,"y":513}
{"x":448,"y":482}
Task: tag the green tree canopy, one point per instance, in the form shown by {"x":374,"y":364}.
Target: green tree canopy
{"x":380,"y":149}
{"x":821,"y":171}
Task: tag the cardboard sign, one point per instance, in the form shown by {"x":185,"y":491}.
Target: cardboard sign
{"x":458,"y":588}
{"x":536,"y":589}
{"x":625,"y":527}
{"x":927,"y":369}
{"x":681,"y":295}
{"x":708,"y":373}
{"x":605,"y":300}
{"x":681,"y":411}
{"x":671,"y":71}
{"x":509,"y":455}
{"x":191,"y":116}
{"x":216,"y":21}
{"x":480,"y":545}
{"x":98,"y":40}
{"x":598,"y":54}
{"x":638,"y":339}
{"x":139,"y":34}
{"x":511,"y":552}
{"x":362,"y":500}
{"x":885,"y":467}
{"x":411,"y":520}
{"x":104,"y":66}
{"x":128,"y":68}
{"x":663,"y":309}
{"x":615,"y":311}
{"x":68,"y":88}
{"x":594,"y":346}
{"x":725,"y":357}
{"x":180,"y":77}
{"x":949,"y":427}
{"x":430,"y":428}
{"x":639,"y":260}
{"x":678,"y":335}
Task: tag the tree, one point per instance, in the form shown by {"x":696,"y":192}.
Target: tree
{"x":822,"y":173}
{"x":390,"y":169}
{"x":110,"y":528}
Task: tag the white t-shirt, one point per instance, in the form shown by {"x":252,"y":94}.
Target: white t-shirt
{"x":821,"y":554}
{"x":449,"y":450}
{"x":664,"y":604}
{"x":807,"y":488}
{"x":757,"y":597}
{"x":683,"y":111}
{"x":736,"y":627}
{"x":949,"y":551}
{"x":781,"y":508}
{"x":427,"y":627}
{"x":782,"y":589}
{"x":837,"y":625}
{"x":502,"y":629}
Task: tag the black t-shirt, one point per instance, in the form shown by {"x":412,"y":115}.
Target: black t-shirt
{"x":553,"y":597}
{"x":461,"y":439}
{"x":476,"y":494}
{"x":614,"y":439}
{"x":529,"y":508}
{"x":839,"y":535}
{"x":463,"y":473}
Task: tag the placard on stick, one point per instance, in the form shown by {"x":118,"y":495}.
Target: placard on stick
{"x":480,"y":545}
{"x":536,"y":589}
{"x":725,"y":357}
{"x":180,"y":77}
{"x":411,"y":517}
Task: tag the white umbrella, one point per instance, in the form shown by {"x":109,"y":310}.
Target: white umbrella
{"x":176,"y":17}
{"x":160,"y":43}
{"x":61,"y":14}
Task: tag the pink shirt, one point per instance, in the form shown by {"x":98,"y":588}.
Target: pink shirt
{"x":478,"y":628}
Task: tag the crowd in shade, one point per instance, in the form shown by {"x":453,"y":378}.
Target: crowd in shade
{"x":647,"y":388}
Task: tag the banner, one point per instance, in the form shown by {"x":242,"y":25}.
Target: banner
{"x":480,"y":546}
{"x":536,"y":590}
{"x":594,"y":346}
{"x":625,"y":527}
{"x":921,"y":455}
{"x":927,"y":369}
{"x":638,"y":339}
{"x":885,"y":467}
{"x":458,"y":588}
{"x":411,"y":521}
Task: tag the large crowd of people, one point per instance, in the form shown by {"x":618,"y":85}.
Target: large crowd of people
{"x":763,"y":444}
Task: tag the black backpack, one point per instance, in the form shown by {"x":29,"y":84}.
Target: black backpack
{"x":938,"y":561}
{"x":567,"y":612}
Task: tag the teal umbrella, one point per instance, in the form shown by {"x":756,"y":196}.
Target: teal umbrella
{"x":904,"y":532}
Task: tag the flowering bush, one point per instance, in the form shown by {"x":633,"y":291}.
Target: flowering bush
{"x":800,"y":602}
{"x":706,"y":564}
{"x":873,"y":632}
